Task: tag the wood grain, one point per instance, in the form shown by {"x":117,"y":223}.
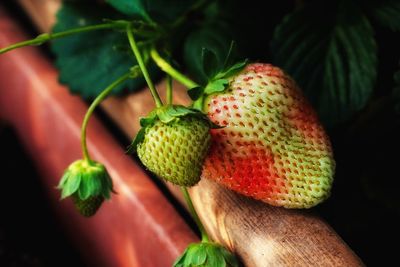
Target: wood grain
{"x":260,"y":234}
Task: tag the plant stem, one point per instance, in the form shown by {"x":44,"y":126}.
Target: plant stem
{"x":142,"y":66}
{"x":166,"y":67}
{"x":169,"y":90}
{"x":40,"y":39}
{"x":204,"y":235}
{"x":90,"y":110}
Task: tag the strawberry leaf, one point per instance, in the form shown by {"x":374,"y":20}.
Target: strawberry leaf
{"x":232,"y":70}
{"x":216,"y":86}
{"x":206,"y":254}
{"x":386,"y":12}
{"x":136,"y":141}
{"x":153,"y":11}
{"x":89,"y":62}
{"x":71,"y":185}
{"x":133,"y":8}
{"x":332,"y":56}
{"x":203,"y":44}
{"x":195,"y":92}
{"x":210,"y":62}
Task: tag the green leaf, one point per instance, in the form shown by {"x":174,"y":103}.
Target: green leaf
{"x":214,"y":257}
{"x":386,"y":12}
{"x":168,"y":113}
{"x":160,"y":11}
{"x":133,"y":8}
{"x":206,"y":254}
{"x":149,"y":119}
{"x":210,"y":63}
{"x":212,"y":38}
{"x":232,"y":70}
{"x":137,"y":140}
{"x":216,"y":86}
{"x":200,"y":256}
{"x":332,"y":57}
{"x":89,"y":62}
{"x":71,"y":185}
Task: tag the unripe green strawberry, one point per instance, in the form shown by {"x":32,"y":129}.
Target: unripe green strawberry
{"x":87,"y":207}
{"x":272,"y":148}
{"x":88,"y":183}
{"x":175,"y":151}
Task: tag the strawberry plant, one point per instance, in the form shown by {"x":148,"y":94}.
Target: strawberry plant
{"x":255,"y":128}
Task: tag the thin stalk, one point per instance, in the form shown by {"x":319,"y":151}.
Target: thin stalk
{"x":142,"y":66}
{"x":204,"y":235}
{"x":90,"y":110}
{"x":166,"y":67}
{"x":40,"y":39}
{"x":169,"y":90}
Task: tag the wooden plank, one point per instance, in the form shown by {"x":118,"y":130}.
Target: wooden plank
{"x":260,"y":234}
{"x":139,"y":226}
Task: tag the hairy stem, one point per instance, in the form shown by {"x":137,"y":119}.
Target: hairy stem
{"x":166,"y":67}
{"x":92,"y":107}
{"x":204,"y":235}
{"x":42,"y":38}
{"x":142,"y":66}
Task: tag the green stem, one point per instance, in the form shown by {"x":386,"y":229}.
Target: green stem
{"x":142,"y":66}
{"x":204,"y":235}
{"x":90,"y":110}
{"x":40,"y":39}
{"x":169,"y":90}
{"x":166,"y":67}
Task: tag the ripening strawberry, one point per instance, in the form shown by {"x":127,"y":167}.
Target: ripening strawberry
{"x":174,"y":145}
{"x":272,"y":148}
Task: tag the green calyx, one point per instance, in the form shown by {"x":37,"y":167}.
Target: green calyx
{"x":84,"y":180}
{"x":206,"y":254}
{"x":167,"y":114}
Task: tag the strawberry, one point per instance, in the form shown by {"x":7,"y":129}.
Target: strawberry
{"x":272,"y":146}
{"x":87,"y":207}
{"x":88,"y":183}
{"x":173,"y":143}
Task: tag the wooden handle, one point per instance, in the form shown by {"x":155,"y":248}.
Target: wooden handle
{"x":260,"y":234}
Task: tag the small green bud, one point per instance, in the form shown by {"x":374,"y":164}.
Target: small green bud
{"x":206,"y":254}
{"x":88,"y":183}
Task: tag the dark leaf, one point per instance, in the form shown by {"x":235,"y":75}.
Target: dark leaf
{"x":136,"y":141}
{"x":195,"y":92}
{"x":89,"y":62}
{"x":386,"y":12}
{"x":134,"y":8}
{"x":332,"y":56}
{"x":159,"y":11}
{"x":214,"y":38}
{"x":210,"y":63}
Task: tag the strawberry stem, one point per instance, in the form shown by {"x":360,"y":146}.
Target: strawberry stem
{"x":166,"y":67}
{"x":204,"y":235}
{"x":94,"y":104}
{"x":169,"y":90}
{"x":42,"y":38}
{"x":142,"y":66}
